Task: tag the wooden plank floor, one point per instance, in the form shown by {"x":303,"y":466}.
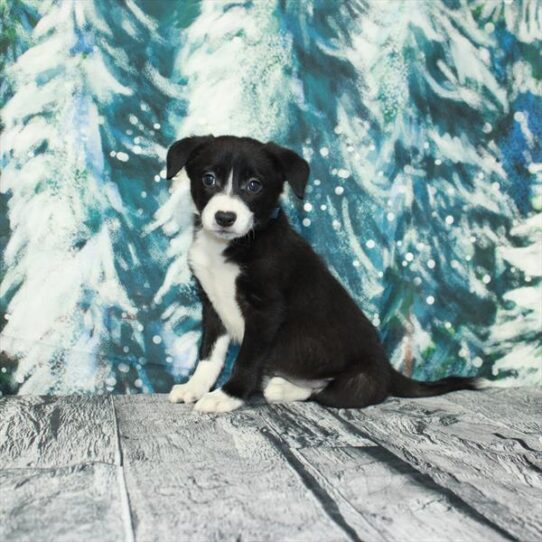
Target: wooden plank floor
{"x":466,"y":466}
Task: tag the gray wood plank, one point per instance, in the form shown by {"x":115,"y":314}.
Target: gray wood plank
{"x":379,"y":495}
{"x":303,"y":425}
{"x":515,"y":413}
{"x":56,"y":431}
{"x":519,"y":409}
{"x":65,"y":504}
{"x":459,"y":449}
{"x":384,"y":499}
{"x":192,"y":476}
{"x":282,"y":472}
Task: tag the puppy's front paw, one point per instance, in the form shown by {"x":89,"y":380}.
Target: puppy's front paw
{"x":187,"y":393}
{"x":218,"y":401}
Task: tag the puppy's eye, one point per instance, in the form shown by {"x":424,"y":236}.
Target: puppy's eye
{"x":254,"y":186}
{"x":208,"y":179}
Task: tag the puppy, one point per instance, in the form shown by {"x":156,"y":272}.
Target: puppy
{"x":301,"y":334}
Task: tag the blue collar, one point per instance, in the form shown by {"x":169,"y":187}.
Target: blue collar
{"x":275,"y":212}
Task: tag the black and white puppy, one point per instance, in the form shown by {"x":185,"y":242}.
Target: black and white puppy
{"x":301,"y":334}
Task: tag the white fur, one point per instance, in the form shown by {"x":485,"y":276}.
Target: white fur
{"x":280,"y":390}
{"x":205,"y":375}
{"x":227,"y":202}
{"x":229,"y":185}
{"x":218,"y":401}
{"x":217,"y":277}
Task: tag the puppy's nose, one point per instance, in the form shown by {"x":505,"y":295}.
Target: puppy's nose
{"x":225,"y":218}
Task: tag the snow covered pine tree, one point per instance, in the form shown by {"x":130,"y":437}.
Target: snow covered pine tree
{"x":429,"y":72}
{"x":71,"y":323}
{"x":516,"y":337}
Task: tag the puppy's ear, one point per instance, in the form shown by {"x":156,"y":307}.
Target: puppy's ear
{"x":294,"y":168}
{"x":180,"y":151}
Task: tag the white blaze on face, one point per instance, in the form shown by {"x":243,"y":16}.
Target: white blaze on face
{"x":227,"y":202}
{"x":229,"y":184}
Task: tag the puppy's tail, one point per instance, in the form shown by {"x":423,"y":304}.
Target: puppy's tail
{"x":402,"y":386}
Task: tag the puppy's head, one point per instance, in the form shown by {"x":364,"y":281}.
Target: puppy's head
{"x":236,"y":181}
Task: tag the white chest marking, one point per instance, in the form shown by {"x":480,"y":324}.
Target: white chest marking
{"x":217,"y":277}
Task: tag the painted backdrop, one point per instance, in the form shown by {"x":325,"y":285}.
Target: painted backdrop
{"x":422,"y":122}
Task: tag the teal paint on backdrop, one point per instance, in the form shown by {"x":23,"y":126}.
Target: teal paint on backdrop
{"x":421,"y":122}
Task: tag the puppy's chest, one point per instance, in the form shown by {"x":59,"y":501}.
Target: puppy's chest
{"x":218,"y":278}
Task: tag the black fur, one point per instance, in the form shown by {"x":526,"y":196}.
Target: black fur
{"x":300,"y":322}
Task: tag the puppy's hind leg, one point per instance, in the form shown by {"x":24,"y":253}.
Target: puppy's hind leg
{"x":353,"y":391}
